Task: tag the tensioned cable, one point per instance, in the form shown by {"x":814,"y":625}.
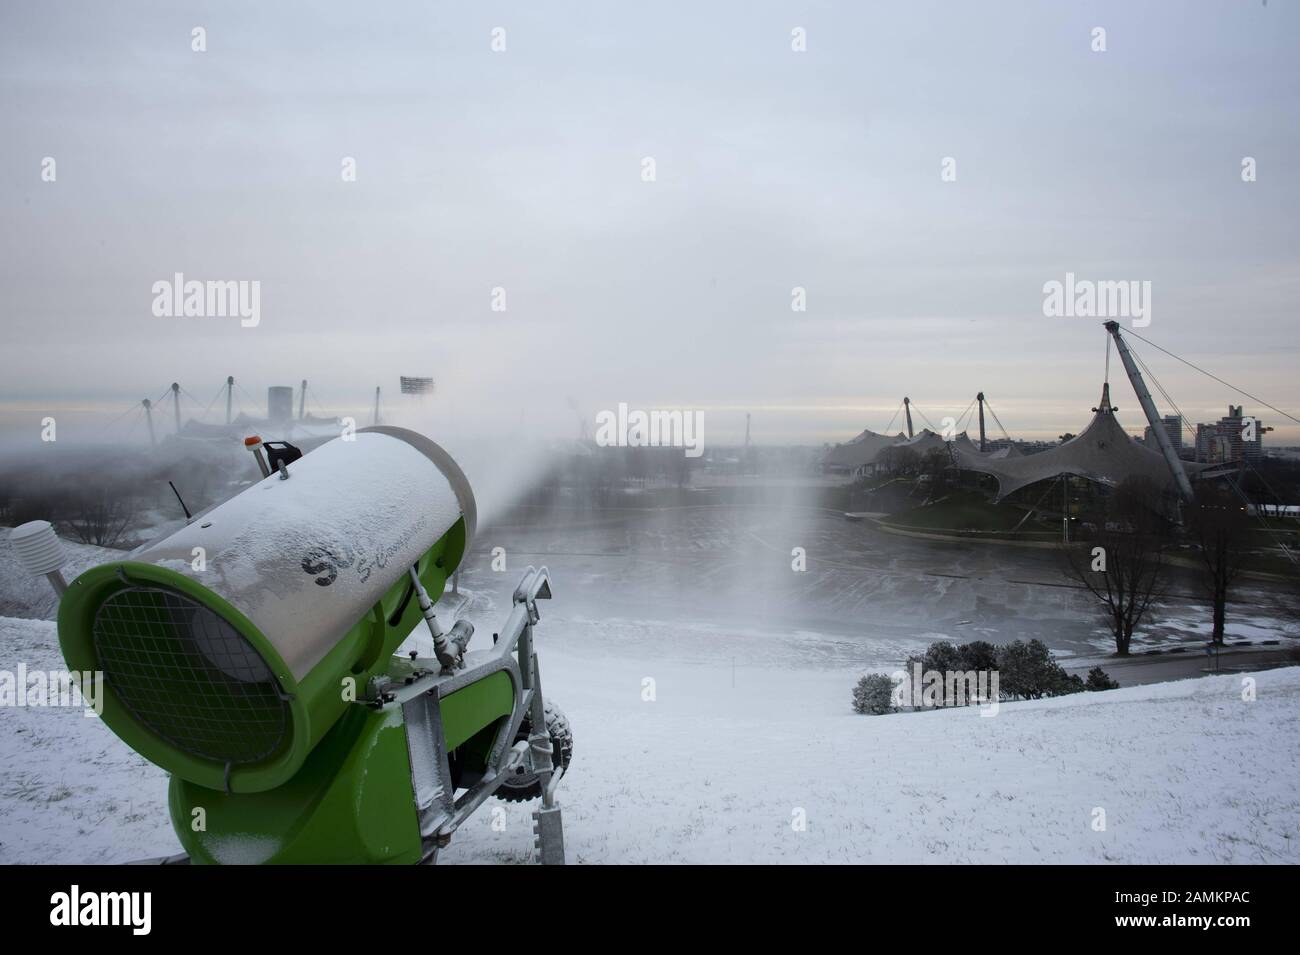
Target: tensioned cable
{"x":134,"y":407}
{"x":957,"y":426}
{"x":1169,"y":398}
{"x":251,"y":400}
{"x":893,"y":419}
{"x":135,"y":423}
{"x":1246,"y":500}
{"x":319,"y":407}
{"x":925,"y":419}
{"x":997,"y":419}
{"x":1227,"y":477}
{"x":311,"y":392}
{"x":185,"y":391}
{"x":1239,"y":391}
{"x":208,"y":406}
{"x":1050,"y":488}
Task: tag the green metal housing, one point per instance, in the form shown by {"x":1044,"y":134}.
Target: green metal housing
{"x":316,"y":703}
{"x":352,"y":800}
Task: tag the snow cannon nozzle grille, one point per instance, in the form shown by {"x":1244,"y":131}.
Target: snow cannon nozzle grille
{"x":189,"y":676}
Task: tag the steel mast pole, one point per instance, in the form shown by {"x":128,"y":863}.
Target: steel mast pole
{"x":230,"y":388}
{"x":980,"y":398}
{"x":148,"y":416}
{"x":1153,"y":416}
{"x":907,"y":408}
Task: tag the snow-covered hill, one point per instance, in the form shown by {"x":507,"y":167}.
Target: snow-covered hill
{"x":710,"y":772}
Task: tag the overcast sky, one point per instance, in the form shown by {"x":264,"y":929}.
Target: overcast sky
{"x":774,"y":169}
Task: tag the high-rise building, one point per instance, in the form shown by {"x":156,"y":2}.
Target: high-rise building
{"x":1173,"y":425}
{"x":1234,"y":437}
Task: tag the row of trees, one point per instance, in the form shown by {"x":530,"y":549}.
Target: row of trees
{"x":1126,"y":563}
{"x":1026,"y":670}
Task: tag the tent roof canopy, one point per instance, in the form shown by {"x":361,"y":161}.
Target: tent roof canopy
{"x":1102,"y":452}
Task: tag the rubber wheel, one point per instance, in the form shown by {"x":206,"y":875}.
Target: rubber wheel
{"x":521,"y":787}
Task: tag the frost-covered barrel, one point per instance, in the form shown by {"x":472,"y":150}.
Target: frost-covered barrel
{"x":230,"y":647}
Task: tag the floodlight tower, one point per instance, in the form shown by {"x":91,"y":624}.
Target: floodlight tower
{"x":1153,"y":416}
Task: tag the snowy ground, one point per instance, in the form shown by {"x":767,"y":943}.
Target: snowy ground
{"x":752,"y":666}
{"x":718,"y":766}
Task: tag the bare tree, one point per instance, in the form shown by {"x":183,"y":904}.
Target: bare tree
{"x":898,"y":460}
{"x":100,"y":514}
{"x":1218,"y":524}
{"x":936,"y":463}
{"x":1124,"y":565}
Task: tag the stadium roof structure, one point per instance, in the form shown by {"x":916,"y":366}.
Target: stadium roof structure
{"x":1103,"y":452}
{"x":860,"y":451}
{"x":964,"y":444}
{"x":866,"y":448}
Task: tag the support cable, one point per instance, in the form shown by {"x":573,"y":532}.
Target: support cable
{"x":957,"y":426}
{"x":924,"y":418}
{"x":998,"y":420}
{"x":1239,"y":391}
{"x":1161,"y":388}
{"x":894,"y":418}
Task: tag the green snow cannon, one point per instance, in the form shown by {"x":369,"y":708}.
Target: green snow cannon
{"x":250,"y":655}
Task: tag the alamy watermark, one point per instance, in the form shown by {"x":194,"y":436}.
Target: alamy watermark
{"x":626,"y":428}
{"x":177,"y":298}
{"x":927,"y":689}
{"x":133,"y":910}
{"x":1084,"y":298}
{"x":76,"y":688}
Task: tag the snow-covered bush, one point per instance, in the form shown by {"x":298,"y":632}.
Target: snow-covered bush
{"x":1028,"y":671}
{"x":1098,"y":679}
{"x":874,"y":695}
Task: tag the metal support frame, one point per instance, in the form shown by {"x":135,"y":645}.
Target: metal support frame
{"x":439,"y":810}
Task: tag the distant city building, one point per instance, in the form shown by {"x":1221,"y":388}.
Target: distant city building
{"x":1234,"y":437}
{"x":1173,"y":427}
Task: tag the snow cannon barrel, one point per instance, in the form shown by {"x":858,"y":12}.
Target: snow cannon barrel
{"x":229,"y":648}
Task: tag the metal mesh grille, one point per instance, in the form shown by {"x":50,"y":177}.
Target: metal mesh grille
{"x":189,"y":676}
